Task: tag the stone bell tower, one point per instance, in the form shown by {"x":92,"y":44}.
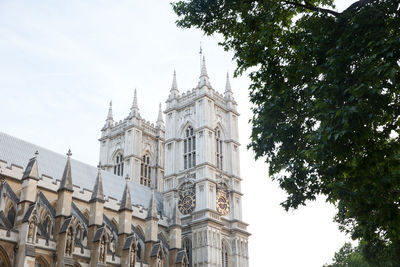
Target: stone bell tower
{"x":202,"y":173}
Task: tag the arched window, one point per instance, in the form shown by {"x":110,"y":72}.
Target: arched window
{"x":224,"y":255}
{"x":189,"y":149}
{"x":40,"y":262}
{"x":119,"y":165}
{"x":187,"y":246}
{"x":145,"y":171}
{"x":218,"y":145}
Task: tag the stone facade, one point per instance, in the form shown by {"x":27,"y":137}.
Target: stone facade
{"x":162,"y":195}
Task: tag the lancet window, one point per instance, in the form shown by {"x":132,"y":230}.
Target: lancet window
{"x":218,"y":145}
{"x":119,"y":165}
{"x":145,"y":171}
{"x":224,"y":255}
{"x":189,"y":149}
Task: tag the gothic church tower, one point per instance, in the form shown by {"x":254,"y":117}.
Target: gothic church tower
{"x":202,"y":173}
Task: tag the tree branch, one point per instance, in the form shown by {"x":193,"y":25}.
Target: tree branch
{"x":314,"y":8}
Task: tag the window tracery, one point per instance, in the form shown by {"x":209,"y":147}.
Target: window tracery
{"x":224,"y":256}
{"x":119,"y":165}
{"x":145,"y":171}
{"x":218,"y":150}
{"x":189,"y":149}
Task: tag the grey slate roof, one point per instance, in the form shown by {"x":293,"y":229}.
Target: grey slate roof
{"x":179,"y":257}
{"x":98,"y":234}
{"x":18,"y":152}
{"x":42,"y":200}
{"x":128,"y":242}
{"x":155,"y":250}
{"x":28,"y":213}
{"x":65,"y":225}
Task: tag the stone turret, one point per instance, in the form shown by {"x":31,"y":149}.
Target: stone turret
{"x":96,"y":207}
{"x":125,"y":217}
{"x":64,"y":199}
{"x":29,"y":187}
{"x":151,"y":227}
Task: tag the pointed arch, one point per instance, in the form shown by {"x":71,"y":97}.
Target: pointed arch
{"x":41,"y":262}
{"x":189,"y":122}
{"x":225,"y":253}
{"x":189,"y":147}
{"x":4,"y":259}
{"x":187,"y":246}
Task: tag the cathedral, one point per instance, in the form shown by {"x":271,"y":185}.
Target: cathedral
{"x":163,"y":194}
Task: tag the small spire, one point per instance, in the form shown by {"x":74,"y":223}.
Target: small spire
{"x":174,"y":92}
{"x":203,"y":68}
{"x":32,"y":170}
{"x":176,"y":219}
{"x":204,"y":80}
{"x":97,"y":194}
{"x":66,"y":180}
{"x":135,"y":107}
{"x":160,"y":116}
{"x":126,"y":202}
{"x":228,"y":84}
{"x":152,"y":214}
{"x":110,"y":113}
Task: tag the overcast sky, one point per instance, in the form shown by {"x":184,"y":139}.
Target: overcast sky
{"x":61,"y":62}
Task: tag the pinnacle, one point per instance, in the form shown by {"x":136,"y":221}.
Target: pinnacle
{"x":31,"y":170}
{"x":126,"y":202}
{"x":66,"y":180}
{"x":203,"y":68}
{"x":97,"y":194}
{"x":160,"y":117}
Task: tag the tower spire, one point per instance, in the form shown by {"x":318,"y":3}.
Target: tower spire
{"x":204,"y":80}
{"x":174,"y":92}
{"x":228,"y":88}
{"x":135,"y":107}
{"x":109,"y":120}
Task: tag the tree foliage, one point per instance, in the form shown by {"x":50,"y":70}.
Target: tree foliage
{"x":326,"y":103}
{"x":348,"y":256}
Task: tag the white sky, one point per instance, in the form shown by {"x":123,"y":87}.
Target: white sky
{"x":61,"y":62}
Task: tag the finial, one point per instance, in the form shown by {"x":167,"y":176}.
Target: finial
{"x":69,"y":154}
{"x":127,"y":177}
{"x":36,"y":154}
{"x":99,"y":166}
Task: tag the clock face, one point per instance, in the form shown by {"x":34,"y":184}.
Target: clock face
{"x":222,"y":204}
{"x":187,"y":202}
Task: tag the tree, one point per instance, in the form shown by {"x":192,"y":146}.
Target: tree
{"x":348,"y":256}
{"x":326,"y":103}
